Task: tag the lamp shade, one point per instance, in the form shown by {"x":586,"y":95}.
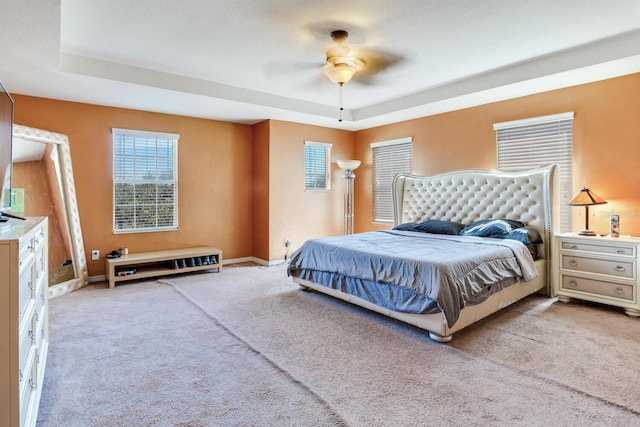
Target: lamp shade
{"x":348,"y":164}
{"x":586,"y":197}
{"x":340,"y":73}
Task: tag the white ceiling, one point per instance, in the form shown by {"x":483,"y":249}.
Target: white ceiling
{"x":226,"y":60}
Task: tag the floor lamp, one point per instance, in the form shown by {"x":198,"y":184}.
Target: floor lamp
{"x":348,"y":166}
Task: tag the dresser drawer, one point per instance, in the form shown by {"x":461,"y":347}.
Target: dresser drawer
{"x":39,"y":330}
{"x":39,"y":239}
{"x":616,"y":268}
{"x":39,"y":270}
{"x":26,"y":291}
{"x":27,"y":249}
{"x":617,"y":249}
{"x":28,"y":392}
{"x":26,"y":353}
{"x":608,"y":289}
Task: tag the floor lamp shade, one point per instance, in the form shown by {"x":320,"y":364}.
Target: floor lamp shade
{"x":586,"y":198}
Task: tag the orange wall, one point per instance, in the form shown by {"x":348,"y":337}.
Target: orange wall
{"x":214,"y":176}
{"x":294,"y":213}
{"x":260,"y":189}
{"x":606,"y":149}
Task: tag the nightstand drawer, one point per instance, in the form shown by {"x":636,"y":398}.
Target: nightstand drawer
{"x":607,"y":289}
{"x":628,"y":250}
{"x":612,"y":268}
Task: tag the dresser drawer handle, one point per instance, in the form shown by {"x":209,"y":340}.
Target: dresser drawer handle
{"x":619,"y":291}
{"x":32,"y":383}
{"x":30,"y":285}
{"x":573,"y":246}
{"x":573,"y":263}
{"x":619,"y":268}
{"x":621,"y":251}
{"x":21,"y":376}
{"x":573,"y":283}
{"x":31,"y":335}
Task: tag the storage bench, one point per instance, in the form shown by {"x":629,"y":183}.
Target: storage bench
{"x":161,"y":263}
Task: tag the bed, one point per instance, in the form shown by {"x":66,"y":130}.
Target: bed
{"x":451,"y":258}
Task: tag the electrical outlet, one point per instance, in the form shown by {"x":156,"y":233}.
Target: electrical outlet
{"x":95,"y":254}
{"x":287,"y":243}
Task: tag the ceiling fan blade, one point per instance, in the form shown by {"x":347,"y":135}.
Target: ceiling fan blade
{"x":279,"y":68}
{"x":375,"y":62}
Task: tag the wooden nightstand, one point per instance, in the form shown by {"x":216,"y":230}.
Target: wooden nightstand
{"x":599,"y":269}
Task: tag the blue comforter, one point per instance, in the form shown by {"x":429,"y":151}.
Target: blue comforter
{"x":414,"y":272}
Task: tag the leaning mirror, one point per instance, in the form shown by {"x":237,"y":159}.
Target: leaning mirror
{"x":43,"y":185}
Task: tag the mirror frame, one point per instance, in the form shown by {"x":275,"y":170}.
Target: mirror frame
{"x":72,"y":215}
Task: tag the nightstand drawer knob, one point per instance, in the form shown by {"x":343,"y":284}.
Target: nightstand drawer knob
{"x":573,"y":283}
{"x":573,"y":263}
{"x":573,"y":246}
{"x":619,"y":268}
{"x":619,"y":291}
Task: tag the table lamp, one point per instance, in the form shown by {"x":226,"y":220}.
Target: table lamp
{"x":586,"y":198}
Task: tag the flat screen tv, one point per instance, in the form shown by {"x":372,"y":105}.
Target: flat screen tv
{"x":6,"y":135}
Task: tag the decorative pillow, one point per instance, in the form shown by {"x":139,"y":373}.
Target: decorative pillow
{"x":496,"y":228}
{"x":436,"y":226}
{"x":407,"y":226}
{"x":525,"y":235}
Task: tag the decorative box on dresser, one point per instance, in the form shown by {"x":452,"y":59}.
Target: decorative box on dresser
{"x":23,"y":319}
{"x":598,"y":269}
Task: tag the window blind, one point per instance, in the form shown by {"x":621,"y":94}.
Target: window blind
{"x":317,"y":156}
{"x":389,"y":159}
{"x":145,"y":184}
{"x":529,"y":143}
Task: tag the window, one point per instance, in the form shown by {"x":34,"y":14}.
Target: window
{"x":529,"y":143}
{"x":317,"y":160}
{"x":389,"y":159}
{"x":145,"y":181}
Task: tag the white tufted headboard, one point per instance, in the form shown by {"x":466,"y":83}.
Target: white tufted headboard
{"x":471,"y":195}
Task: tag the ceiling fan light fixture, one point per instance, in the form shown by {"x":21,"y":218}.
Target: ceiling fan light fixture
{"x":340,"y":73}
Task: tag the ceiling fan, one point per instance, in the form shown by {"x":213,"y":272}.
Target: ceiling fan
{"x":345,"y":63}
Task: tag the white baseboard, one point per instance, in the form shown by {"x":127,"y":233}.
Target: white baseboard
{"x":101,"y":278}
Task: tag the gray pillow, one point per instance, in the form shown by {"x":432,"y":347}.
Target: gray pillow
{"x":436,"y":226}
{"x":433,"y":226}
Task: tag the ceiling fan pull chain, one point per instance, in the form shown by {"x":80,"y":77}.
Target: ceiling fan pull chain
{"x":340,"y":96}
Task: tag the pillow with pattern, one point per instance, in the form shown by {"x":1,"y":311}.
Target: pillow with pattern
{"x":496,"y":228}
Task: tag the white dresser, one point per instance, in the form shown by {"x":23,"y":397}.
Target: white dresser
{"x":23,"y":319}
{"x":599,"y":269}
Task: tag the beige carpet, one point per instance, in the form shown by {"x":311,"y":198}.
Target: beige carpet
{"x":246,"y":347}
